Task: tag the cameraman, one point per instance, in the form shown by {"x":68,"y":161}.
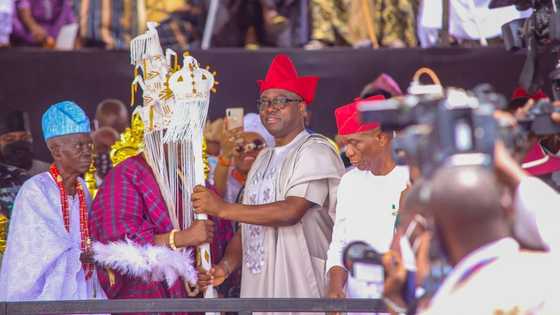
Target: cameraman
{"x":367,"y":198}
{"x":476,"y":236}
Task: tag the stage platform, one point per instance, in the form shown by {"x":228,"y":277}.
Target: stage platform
{"x":32,"y":79}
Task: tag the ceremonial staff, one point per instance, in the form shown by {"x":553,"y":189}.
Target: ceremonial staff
{"x":175,"y":105}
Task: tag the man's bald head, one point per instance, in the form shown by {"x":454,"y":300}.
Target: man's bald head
{"x":470,"y":208}
{"x":467,"y":194}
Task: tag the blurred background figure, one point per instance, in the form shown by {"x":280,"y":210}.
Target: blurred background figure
{"x":329,"y":23}
{"x":540,"y":158}
{"x":12,"y":177}
{"x":6,"y":14}
{"x":213,"y":134}
{"x":363,"y":23}
{"x":38,"y":23}
{"x":16,"y":144}
{"x":383,"y":85}
{"x":286,"y":22}
{"x":111,"y":120}
{"x":112,"y":24}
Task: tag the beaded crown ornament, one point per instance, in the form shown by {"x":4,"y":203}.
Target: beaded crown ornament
{"x":174,"y":108}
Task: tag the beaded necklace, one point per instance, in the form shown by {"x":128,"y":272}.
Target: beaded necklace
{"x":85,"y":243}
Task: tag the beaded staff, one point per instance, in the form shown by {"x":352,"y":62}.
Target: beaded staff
{"x":174,"y":111}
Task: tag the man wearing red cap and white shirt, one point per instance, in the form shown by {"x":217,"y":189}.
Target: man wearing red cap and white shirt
{"x":368,"y":197}
{"x":288,"y":206}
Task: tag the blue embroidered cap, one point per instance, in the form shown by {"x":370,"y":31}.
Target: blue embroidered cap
{"x":64,"y":118}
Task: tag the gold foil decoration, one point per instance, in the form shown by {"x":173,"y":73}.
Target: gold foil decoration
{"x":131,"y":142}
{"x":3,"y":232}
{"x":111,"y":275}
{"x":89,"y":178}
{"x":151,"y":117}
{"x":205,"y":158}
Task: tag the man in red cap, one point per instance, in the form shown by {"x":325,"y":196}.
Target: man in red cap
{"x":545,"y":165}
{"x":289,"y":201}
{"x":368,"y":197}
{"x":384,"y":85}
{"x":542,"y":159}
{"x":520,"y":97}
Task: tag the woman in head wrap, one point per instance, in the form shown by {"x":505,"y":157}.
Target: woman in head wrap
{"x":239,"y":149}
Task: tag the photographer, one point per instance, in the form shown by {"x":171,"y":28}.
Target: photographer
{"x":367,"y":198}
{"x":529,"y":219}
{"x":475,"y":234}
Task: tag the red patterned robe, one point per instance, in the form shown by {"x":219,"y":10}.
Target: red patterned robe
{"x":129,"y":205}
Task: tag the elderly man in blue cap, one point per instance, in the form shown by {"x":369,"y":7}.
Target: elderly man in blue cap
{"x":47,"y":254}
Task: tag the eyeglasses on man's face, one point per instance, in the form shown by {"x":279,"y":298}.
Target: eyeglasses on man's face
{"x":277,"y":103}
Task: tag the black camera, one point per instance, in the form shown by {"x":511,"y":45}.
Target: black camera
{"x":455,"y":127}
{"x":538,"y":119}
{"x":365,"y":264}
{"x":540,"y":30}
{"x":543,"y":25}
{"x":448,"y":128}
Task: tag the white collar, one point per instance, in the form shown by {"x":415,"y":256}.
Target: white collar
{"x":300,"y":135}
{"x":502,"y":247}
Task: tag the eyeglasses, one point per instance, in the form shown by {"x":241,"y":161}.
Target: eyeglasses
{"x":79,"y":146}
{"x":254,"y":145}
{"x":277,"y":103}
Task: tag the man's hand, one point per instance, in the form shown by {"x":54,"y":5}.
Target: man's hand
{"x":38,"y":33}
{"x":206,"y":201}
{"x":216,"y":276}
{"x":395,"y":279}
{"x":337,"y":281}
{"x":507,"y":167}
{"x":199,"y":232}
{"x":335,"y":293}
{"x":229,"y":140}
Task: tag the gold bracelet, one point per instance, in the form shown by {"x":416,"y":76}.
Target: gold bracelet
{"x":172,"y":239}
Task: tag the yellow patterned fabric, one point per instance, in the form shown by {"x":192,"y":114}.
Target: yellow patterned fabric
{"x":91,"y":182}
{"x":158,"y":10}
{"x":393,"y":22}
{"x":329,"y":21}
{"x":3,"y":233}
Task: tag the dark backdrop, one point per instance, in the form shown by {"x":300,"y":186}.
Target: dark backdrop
{"x":33,"y":79}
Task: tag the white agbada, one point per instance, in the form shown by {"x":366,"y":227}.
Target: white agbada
{"x":366,"y":210}
{"x":289,"y":262}
{"x":42,"y":260}
{"x":537,"y":214}
{"x":498,"y":278}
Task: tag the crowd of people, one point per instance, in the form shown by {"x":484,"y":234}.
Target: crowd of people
{"x":312,"y":24}
{"x":282,"y":207}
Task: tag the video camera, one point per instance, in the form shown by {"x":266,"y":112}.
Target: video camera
{"x":447,"y":127}
{"x":365,"y":264}
{"x":451,"y":127}
{"x":540,"y":30}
